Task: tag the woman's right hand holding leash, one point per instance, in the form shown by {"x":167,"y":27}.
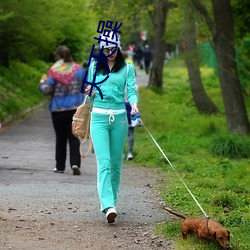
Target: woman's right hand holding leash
{"x":87,"y":91}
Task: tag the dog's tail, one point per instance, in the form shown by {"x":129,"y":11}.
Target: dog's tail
{"x":175,"y":213}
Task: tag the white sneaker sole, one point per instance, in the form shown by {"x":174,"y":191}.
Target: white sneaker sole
{"x":58,"y":171}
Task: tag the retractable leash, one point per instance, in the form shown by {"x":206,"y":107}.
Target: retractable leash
{"x":174,"y":170}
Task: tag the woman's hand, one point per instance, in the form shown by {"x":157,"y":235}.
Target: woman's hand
{"x":43,"y":79}
{"x":134,"y":109}
{"x":87,"y":91}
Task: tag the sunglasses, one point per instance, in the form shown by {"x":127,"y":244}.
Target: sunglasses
{"x":106,"y":51}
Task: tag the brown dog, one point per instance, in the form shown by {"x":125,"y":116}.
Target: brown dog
{"x":204,"y":229}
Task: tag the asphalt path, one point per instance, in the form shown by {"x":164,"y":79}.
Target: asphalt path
{"x":31,"y":190}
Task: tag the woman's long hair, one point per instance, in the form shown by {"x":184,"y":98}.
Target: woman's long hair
{"x":119,"y":63}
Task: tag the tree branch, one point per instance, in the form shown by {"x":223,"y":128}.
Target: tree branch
{"x":202,"y":9}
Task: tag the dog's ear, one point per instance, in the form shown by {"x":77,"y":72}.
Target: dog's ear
{"x":214,"y":235}
{"x":228,"y":237}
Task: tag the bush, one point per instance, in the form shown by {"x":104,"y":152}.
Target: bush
{"x":231,"y":146}
{"x":19,"y":87}
{"x":224,"y":200}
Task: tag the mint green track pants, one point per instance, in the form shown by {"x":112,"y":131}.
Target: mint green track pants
{"x":108,"y":138}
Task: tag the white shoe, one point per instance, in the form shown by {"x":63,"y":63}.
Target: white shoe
{"x":130,"y":156}
{"x":111,"y":214}
{"x":58,"y":171}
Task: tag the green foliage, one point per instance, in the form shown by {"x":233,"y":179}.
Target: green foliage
{"x":135,"y":16}
{"x":29,"y":33}
{"x":176,"y":19}
{"x":175,"y":25}
{"x":231,"y":146}
{"x":224,"y":200}
{"x":19,"y":87}
{"x":243,"y":60}
{"x":241,"y":17}
{"x":219,"y":183}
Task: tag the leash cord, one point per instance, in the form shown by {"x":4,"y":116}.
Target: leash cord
{"x":174,"y":170}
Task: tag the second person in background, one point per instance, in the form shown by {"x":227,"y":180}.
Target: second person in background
{"x":64,"y":84}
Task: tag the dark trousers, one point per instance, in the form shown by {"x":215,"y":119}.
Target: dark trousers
{"x":147,"y":65}
{"x":131,"y":139}
{"x":62,"y":122}
{"x":130,"y":129}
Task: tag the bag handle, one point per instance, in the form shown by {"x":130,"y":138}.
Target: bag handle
{"x":87,"y":137}
{"x":83,"y":155}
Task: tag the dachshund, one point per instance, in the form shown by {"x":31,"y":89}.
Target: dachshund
{"x":204,"y":229}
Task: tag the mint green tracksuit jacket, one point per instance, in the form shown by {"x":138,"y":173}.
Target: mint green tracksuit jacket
{"x":109,"y":131}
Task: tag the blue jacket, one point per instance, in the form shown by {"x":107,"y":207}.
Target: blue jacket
{"x":64,"y":97}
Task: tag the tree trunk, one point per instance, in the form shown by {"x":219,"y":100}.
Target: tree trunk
{"x":159,"y":48}
{"x":235,"y":109}
{"x":223,"y":38}
{"x":201,"y":99}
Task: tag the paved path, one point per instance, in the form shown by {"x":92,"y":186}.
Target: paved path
{"x":26,"y":163}
{"x":31,"y":191}
{"x":27,"y":160}
{"x":141,"y":78}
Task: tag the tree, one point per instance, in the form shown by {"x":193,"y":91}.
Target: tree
{"x":28,"y":33}
{"x":134,"y":16}
{"x":241,"y":17}
{"x":242,"y":33}
{"x":223,"y":38}
{"x":201,"y":99}
{"x":159,"y":48}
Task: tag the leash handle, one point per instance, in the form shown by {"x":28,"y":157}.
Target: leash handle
{"x":85,"y":99}
{"x":174,"y":170}
{"x":87,"y":137}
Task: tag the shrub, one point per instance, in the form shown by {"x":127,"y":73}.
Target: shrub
{"x":223,"y":200}
{"x":231,"y":146}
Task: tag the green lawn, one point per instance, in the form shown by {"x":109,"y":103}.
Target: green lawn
{"x":214,"y":164}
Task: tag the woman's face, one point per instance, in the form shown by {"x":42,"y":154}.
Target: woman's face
{"x":108,"y":51}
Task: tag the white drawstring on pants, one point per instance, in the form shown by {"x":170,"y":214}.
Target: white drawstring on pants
{"x":110,"y":112}
{"x":111,"y":117}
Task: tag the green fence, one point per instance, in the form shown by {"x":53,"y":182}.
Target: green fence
{"x":208,"y":58}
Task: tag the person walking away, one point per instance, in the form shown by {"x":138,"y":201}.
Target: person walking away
{"x":147,"y":58}
{"x":64,"y":84}
{"x":128,"y":109}
{"x":109,"y":123}
{"x":140,"y":52}
{"x":130,"y":133}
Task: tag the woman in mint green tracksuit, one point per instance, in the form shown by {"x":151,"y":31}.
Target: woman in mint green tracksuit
{"x":109,"y":125}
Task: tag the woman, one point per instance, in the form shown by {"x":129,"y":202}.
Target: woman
{"x":64,"y":84}
{"x":109,"y":123}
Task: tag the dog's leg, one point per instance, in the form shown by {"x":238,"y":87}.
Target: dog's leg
{"x":184,"y":235}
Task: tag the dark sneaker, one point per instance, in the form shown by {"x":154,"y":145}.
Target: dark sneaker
{"x":58,"y":171}
{"x":111,"y":214}
{"x":76,"y":170}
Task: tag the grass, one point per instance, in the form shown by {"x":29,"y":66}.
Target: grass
{"x":19,"y":88}
{"x":214,"y":164}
